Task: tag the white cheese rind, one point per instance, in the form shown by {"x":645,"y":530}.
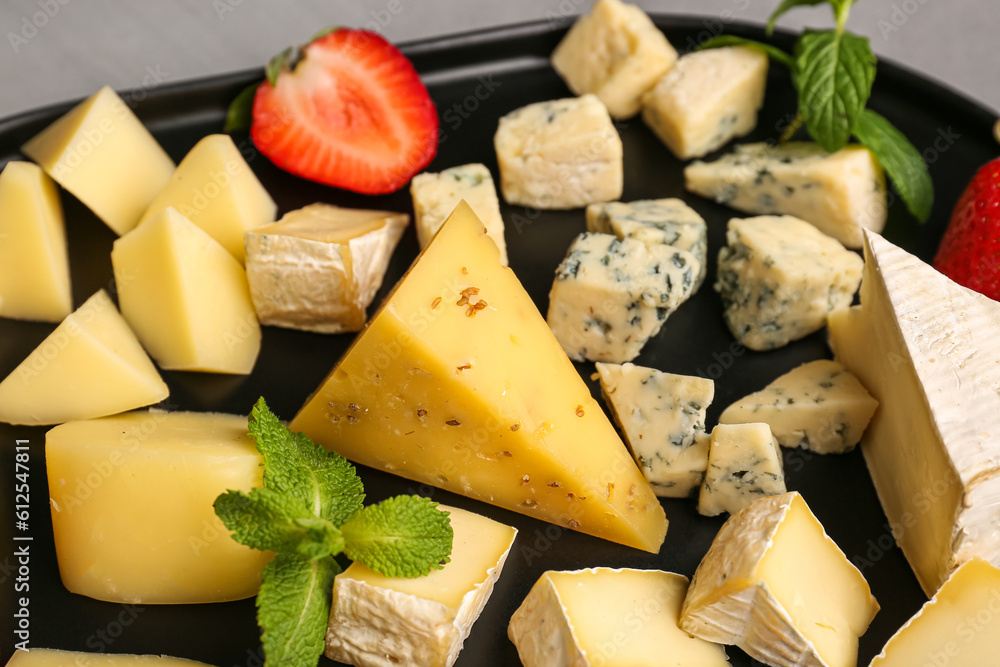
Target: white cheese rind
{"x":744,"y":464}
{"x":842,"y":193}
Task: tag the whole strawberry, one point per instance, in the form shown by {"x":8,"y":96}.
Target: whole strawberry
{"x":969,"y":253}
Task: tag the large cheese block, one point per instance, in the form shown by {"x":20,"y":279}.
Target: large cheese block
{"x":46,"y":657}
{"x":707,"y":99}
{"x":215,"y":188}
{"x":616,"y":53}
{"x":132,"y":513}
{"x":435,"y":196}
{"x":377,"y":621}
{"x":842,"y":193}
{"x":602,"y":617}
{"x":958,"y":627}
{"x":319,"y":267}
{"x":744,"y":464}
{"x":774,"y":584}
{"x":559,"y":154}
{"x":458,"y":382}
{"x":34,"y":264}
{"x":925,"y":348}
{"x":92,"y":365}
{"x":105,"y":157}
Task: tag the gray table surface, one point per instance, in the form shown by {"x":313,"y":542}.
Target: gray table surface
{"x":56,"y":50}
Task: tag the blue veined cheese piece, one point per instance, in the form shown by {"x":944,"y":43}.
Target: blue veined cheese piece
{"x":610,"y":296}
{"x":841,"y":193}
{"x":662,"y":417}
{"x":744,"y":464}
{"x":652,"y":221}
{"x":819,"y":406}
{"x":779,"y":277}
{"x":707,"y":99}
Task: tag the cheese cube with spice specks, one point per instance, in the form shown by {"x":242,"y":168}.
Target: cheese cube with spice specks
{"x":744,"y":464}
{"x":559,"y":154}
{"x":779,"y":278}
{"x":610,"y":296}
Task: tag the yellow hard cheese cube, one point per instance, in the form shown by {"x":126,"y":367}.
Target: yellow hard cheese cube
{"x":215,"y":188}
{"x":378,"y":620}
{"x":608,"y":618}
{"x":458,"y":382}
{"x":104,"y":156}
{"x":775,"y":585}
{"x":45,"y":657}
{"x":132,"y":511}
{"x":90,"y":366}
{"x":186,"y":297}
{"x":34,"y":265}
{"x":320,"y":266}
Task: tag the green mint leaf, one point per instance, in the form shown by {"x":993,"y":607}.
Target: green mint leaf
{"x":240,"y":113}
{"x":277,"y":64}
{"x":840,"y":10}
{"x":404,"y":536}
{"x":834,"y":73}
{"x":293,"y":608}
{"x":326,"y":482}
{"x":900,"y":159}
{"x":773,"y":52}
{"x":273,"y":521}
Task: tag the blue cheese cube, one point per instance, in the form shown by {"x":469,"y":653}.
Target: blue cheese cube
{"x":616,"y":53}
{"x":779,"y":277}
{"x":744,"y":464}
{"x":662,"y":417}
{"x":559,"y":154}
{"x":841,"y":193}
{"x":610,"y":296}
{"x":707,"y":99}
{"x":652,"y":221}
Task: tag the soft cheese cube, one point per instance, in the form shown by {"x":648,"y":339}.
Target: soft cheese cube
{"x":105,"y":157}
{"x":774,"y":584}
{"x":186,"y":297}
{"x":215,"y":188}
{"x":603,"y":617}
{"x":779,"y":278}
{"x":616,"y":53}
{"x":610,"y":296}
{"x":744,"y":463}
{"x":377,"y":620}
{"x":45,"y":657}
{"x":661,"y":416}
{"x":842,"y":193}
{"x":34,"y":264}
{"x":319,"y":267}
{"x":708,"y":98}
{"x":435,"y":196}
{"x":90,"y":366}
{"x":652,"y":221}
{"x":132,"y":514}
{"x":819,"y":406}
{"x":559,"y":154}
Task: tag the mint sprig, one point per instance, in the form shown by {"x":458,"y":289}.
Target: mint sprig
{"x":901,"y":160}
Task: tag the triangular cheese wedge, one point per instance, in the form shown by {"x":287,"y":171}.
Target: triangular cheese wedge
{"x":458,"y":382}
{"x":926,"y":348}
{"x":90,"y":366}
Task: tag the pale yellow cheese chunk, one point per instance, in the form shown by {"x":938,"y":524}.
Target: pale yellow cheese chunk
{"x":744,"y":464}
{"x":92,"y":365}
{"x":377,"y":620}
{"x":319,"y":267}
{"x":46,"y":657}
{"x":186,"y":298}
{"x":34,"y":264}
{"x":215,"y":188}
{"x":105,"y":157}
{"x":458,"y":382}
{"x":132,"y":513}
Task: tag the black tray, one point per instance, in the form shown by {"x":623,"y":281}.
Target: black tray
{"x":474,"y":79}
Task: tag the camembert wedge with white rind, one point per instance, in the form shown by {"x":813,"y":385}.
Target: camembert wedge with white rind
{"x":377,"y":620}
{"x":608,"y":618}
{"x":92,"y":365}
{"x":319,"y":267}
{"x":458,"y":382}
{"x":775,"y":585}
{"x":925,"y":347}
{"x":46,"y":657}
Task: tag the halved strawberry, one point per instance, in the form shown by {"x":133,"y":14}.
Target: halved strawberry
{"x":352,"y":113}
